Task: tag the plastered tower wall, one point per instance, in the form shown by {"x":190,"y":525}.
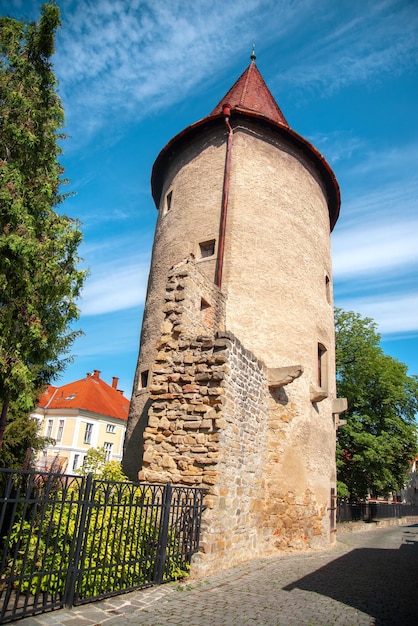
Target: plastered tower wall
{"x":278,"y":251}
{"x":277,"y":277}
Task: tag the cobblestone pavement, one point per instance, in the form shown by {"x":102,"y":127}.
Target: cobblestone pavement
{"x":368,"y":578}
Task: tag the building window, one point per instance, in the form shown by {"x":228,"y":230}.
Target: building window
{"x":49,"y":428}
{"x":168,"y":201}
{"x":207,"y":249}
{"x":108,"y":449}
{"x":87,"y":434}
{"x":75,"y":462}
{"x":144,"y":379}
{"x":322,"y":366}
{"x":110,"y":428}
{"x":328,"y":289}
{"x":60,"y":430}
{"x":204,"y":305}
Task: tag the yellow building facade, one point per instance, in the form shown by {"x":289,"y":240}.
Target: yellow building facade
{"x":84,"y":414}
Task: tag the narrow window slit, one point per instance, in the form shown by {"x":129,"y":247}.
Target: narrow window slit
{"x":144,"y":379}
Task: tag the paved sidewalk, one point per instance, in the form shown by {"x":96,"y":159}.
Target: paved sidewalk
{"x":368,"y":578}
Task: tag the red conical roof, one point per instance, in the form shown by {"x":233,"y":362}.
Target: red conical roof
{"x":250,"y":93}
{"x":249,"y":97}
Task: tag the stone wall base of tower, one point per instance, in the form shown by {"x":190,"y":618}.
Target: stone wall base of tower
{"x":218,"y":418}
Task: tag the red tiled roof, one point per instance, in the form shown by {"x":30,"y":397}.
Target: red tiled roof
{"x":250,"y":93}
{"x":88,"y":394}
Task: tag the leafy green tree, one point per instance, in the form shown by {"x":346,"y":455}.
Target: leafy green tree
{"x":39,"y":276}
{"x":95,"y":463}
{"x":375,"y":447}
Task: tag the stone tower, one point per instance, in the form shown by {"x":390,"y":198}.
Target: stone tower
{"x":235,"y":383}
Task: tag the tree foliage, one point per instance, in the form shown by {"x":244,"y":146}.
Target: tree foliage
{"x":96,"y":463}
{"x":21,"y":440}
{"x":39,"y":276}
{"x":376,"y":446}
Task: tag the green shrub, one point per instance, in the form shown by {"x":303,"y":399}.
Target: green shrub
{"x":119,"y":541}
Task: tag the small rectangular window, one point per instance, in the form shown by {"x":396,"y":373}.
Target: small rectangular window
{"x":88,"y":432}
{"x":144,"y":379}
{"x":207,"y":248}
{"x":328,"y":289}
{"x":110,"y":428}
{"x":60,"y":430}
{"x":322,"y":366}
{"x":75,"y":462}
{"x":49,"y":428}
{"x":168,"y":202}
{"x":108,"y":449}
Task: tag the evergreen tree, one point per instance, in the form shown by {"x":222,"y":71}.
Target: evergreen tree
{"x":375,"y":447}
{"x":39,"y":279}
{"x":21,"y":440}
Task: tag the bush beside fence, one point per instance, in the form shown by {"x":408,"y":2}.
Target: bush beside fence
{"x":67,"y":540}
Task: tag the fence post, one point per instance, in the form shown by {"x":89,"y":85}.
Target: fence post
{"x":163,"y":534}
{"x":84,"y":503}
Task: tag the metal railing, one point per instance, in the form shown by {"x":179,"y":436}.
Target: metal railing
{"x":67,"y":540}
{"x":374,"y":511}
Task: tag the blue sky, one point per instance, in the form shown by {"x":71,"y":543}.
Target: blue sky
{"x":133,"y":73}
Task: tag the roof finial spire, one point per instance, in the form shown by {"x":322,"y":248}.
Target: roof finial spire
{"x":253,"y":57}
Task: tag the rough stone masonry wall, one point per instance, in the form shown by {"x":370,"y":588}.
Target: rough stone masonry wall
{"x":207,"y":419}
{"x":181,"y":440}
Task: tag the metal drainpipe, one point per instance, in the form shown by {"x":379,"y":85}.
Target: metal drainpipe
{"x":222,"y":226}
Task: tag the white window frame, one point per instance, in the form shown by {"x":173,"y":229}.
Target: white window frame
{"x":60,"y":430}
{"x":49,"y":428}
{"x":88,"y":432}
{"x":108,"y":446}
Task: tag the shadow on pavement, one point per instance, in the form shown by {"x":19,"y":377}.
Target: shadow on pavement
{"x":382,"y":583}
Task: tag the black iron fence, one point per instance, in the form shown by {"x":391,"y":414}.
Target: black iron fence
{"x":374,"y":511}
{"x":66,"y":540}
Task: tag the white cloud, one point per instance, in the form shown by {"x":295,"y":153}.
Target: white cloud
{"x":367,"y":249}
{"x":337,"y":145}
{"x":395,"y":160}
{"x":120,"y":57}
{"x":114,"y":287}
{"x":389,"y":199}
{"x":378,"y":41}
{"x":392,"y":314}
